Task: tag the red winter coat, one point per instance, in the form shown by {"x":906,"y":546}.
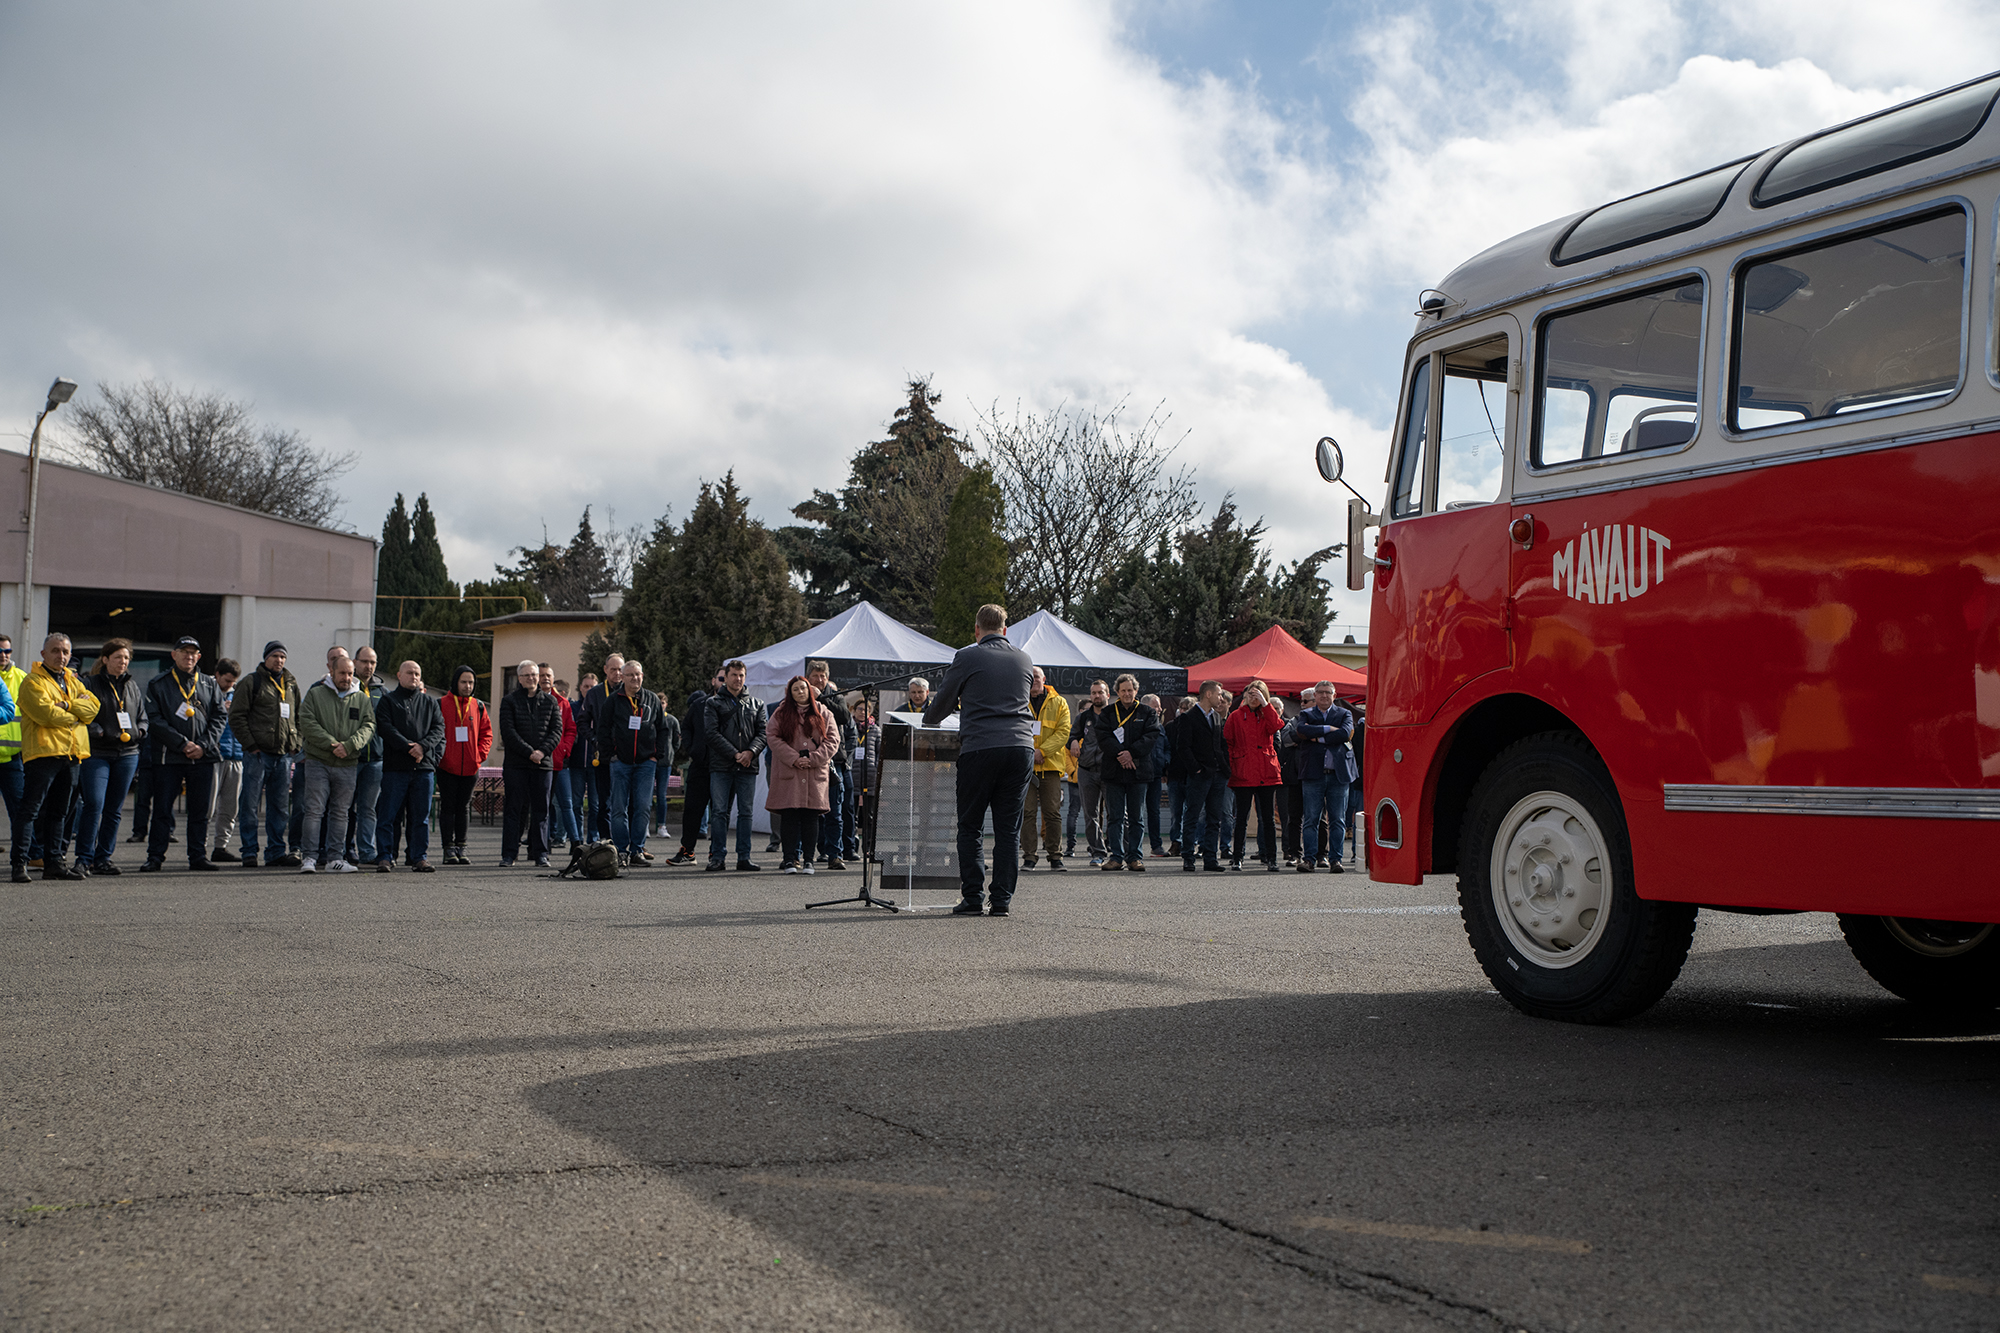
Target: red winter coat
{"x":1253,"y":757}
{"x":568,"y":741}
{"x":462,"y":758}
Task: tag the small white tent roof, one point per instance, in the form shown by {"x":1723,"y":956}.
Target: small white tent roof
{"x":1072,"y":659}
{"x":860,"y":644}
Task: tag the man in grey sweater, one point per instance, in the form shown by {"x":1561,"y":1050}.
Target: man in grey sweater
{"x":988,"y":684}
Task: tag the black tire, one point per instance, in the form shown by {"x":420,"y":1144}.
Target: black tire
{"x":1550,"y":794}
{"x":1942,"y":964}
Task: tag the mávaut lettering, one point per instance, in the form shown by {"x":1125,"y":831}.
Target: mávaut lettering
{"x":1612,"y":563}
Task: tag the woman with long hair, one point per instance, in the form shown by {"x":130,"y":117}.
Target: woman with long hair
{"x":1250,"y":733}
{"x":468,"y":738}
{"x":803,"y":738}
{"x":114,"y":756}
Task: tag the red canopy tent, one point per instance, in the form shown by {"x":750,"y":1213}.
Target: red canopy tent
{"x":1280,"y":661}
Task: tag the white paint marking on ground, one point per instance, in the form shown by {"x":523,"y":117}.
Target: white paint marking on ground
{"x":1427,"y":909}
{"x":1983,"y":1036}
{"x":1971,"y":1286}
{"x":841,"y":1185}
{"x":1498,"y":1240}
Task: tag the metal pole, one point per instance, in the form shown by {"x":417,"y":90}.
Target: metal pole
{"x":34,"y":493}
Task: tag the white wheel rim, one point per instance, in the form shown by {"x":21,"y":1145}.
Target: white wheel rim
{"x":1551,"y":880}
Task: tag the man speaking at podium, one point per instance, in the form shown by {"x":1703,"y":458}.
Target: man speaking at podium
{"x":988,"y":685}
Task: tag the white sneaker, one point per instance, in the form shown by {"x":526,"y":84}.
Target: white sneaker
{"x":306,"y":867}
{"x":340,"y":868}
{"x":791,"y":870}
{"x":806,"y":869}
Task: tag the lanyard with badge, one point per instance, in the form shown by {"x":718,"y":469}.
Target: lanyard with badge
{"x":638,"y":706}
{"x":1119,"y":730}
{"x":462,"y":733}
{"x":284,"y":704}
{"x":124,"y":715}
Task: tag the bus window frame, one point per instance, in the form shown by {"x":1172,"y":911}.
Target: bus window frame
{"x":1435,"y":346}
{"x":1854,"y":228}
{"x":1992,"y":276}
{"x":1532,"y":379}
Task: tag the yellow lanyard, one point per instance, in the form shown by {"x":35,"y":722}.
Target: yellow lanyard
{"x":1121,"y":721}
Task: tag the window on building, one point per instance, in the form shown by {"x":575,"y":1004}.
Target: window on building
{"x":1622,"y":377}
{"x":1852,"y":325}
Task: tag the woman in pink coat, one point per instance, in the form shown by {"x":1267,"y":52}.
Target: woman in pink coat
{"x":803,"y":740}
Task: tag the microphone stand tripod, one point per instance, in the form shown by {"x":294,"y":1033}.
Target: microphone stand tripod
{"x":871,"y":691}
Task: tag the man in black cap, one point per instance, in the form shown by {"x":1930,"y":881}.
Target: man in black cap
{"x":184,"y":721}
{"x":264,"y":714}
{"x":989,"y":684}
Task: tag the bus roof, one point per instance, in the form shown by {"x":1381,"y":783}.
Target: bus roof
{"x":1946,"y":133}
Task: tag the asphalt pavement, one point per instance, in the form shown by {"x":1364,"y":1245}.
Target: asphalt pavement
{"x":492,"y":1099}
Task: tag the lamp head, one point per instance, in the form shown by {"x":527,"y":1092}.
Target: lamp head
{"x":60,"y":392}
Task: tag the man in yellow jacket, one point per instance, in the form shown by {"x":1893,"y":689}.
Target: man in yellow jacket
{"x":11,"y":778}
{"x":54,"y":708}
{"x":1045,"y":784}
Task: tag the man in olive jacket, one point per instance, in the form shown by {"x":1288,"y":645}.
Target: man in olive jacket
{"x":338,"y":720}
{"x":184,"y":720}
{"x":530,"y":728}
{"x":264,"y":715}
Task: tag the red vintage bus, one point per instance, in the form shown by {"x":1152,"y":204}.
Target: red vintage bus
{"x":1687,"y":586}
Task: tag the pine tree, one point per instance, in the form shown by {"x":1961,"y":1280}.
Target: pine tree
{"x":395,"y":568}
{"x":880,"y":539}
{"x":429,"y":576}
{"x":973,"y":569}
{"x":718,"y":587}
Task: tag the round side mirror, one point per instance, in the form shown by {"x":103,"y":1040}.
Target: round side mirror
{"x":1329,"y":459}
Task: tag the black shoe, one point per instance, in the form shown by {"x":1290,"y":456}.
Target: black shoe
{"x":1303,"y":867}
{"x":1055,"y":863}
{"x":966,"y":907}
{"x":1334,"y":869}
{"x":683,"y":857}
{"x":136,"y":837}
{"x":748,"y":865}
{"x":105,"y":868}
{"x":249,"y":860}
{"x":290,"y":861}
{"x":202,"y":863}
{"x":1213,"y":865}
{"x":541,"y":863}
{"x":1235,"y":865}
{"x":58,"y":872}
{"x":713,"y":865}
{"x":220,"y":854}
{"x":998,"y":909}
{"x":21,"y":875}
{"x":151,"y":865}
{"x":1027,"y":863}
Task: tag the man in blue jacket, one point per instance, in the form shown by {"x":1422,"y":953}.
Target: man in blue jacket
{"x":1326,"y":766}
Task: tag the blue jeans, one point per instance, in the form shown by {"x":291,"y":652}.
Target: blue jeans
{"x":724,"y":785}
{"x":269,"y":777}
{"x":562,"y":807}
{"x":405,"y":796}
{"x":105,"y":784}
{"x":1176,"y":809}
{"x":1122,"y":803}
{"x":1325,"y":794}
{"x":1207,"y":813}
{"x":995,"y":779}
{"x":631,"y":803}
{"x":832,"y":842}
{"x":361,"y":832}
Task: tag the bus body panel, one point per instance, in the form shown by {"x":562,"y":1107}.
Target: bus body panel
{"x":1436,"y":619}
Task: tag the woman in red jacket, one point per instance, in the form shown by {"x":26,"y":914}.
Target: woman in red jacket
{"x":1250,"y":733}
{"x":468,"y":736}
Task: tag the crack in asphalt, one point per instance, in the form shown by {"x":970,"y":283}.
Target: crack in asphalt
{"x":1384,"y":1287}
{"x":893,"y":1124}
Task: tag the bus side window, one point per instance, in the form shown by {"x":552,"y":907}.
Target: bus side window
{"x":1472,"y":434}
{"x":1408,"y":496}
{"x":1619,"y":378}
{"x":1863,"y":322}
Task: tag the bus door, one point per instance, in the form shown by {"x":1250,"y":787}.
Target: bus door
{"x":1441,"y":566}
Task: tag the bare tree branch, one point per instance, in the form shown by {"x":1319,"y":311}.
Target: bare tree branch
{"x":1082,"y":491}
{"x":205,"y":445}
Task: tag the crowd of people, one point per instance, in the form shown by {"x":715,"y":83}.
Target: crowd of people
{"x":343,"y":773}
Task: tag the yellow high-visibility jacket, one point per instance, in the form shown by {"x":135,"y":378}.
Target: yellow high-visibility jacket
{"x":1052,"y":740}
{"x":54,"y":712}
{"x":10,"y":734}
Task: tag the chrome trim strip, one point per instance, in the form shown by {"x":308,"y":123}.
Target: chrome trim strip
{"x":1375,"y":825}
{"x":1776,"y":458}
{"x":1866,"y":802}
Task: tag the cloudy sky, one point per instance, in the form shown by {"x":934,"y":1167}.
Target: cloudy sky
{"x":528,"y":257}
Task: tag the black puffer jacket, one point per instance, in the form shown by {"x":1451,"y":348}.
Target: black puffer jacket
{"x":529,"y":722}
{"x":735,"y":724}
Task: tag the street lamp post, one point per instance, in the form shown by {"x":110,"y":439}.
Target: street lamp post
{"x":59,"y":393}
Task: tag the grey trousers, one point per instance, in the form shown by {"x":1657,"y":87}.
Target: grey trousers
{"x":228,"y":790}
{"x":329,"y":792}
{"x":1090,"y":790}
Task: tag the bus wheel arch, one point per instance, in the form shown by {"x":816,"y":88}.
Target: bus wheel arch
{"x":1477,"y":738}
{"x":1952,"y":965}
{"x":1544,"y":837}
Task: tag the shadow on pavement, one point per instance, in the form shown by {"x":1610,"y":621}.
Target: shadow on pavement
{"x":1147,"y":1166}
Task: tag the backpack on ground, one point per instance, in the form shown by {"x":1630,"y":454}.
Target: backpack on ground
{"x":595,"y":860}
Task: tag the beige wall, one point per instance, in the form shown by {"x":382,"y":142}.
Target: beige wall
{"x":557,"y":642}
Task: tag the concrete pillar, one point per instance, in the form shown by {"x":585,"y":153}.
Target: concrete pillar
{"x":236,"y":613}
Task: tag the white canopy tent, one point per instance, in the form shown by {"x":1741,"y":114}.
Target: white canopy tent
{"x":860,"y":644}
{"x":1072,"y":659}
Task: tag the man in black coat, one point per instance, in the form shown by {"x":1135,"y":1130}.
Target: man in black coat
{"x":735,"y":732}
{"x":530,"y":730}
{"x":411,"y":726}
{"x":185,"y":716}
{"x":1203,"y":757}
{"x":694,"y":792}
{"x":635,"y":736}
{"x":588,"y":714}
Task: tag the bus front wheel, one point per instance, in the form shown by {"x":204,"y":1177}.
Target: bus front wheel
{"x":1545,"y":888}
{"x":1945,"y":964}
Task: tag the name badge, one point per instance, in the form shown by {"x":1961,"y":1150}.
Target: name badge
{"x":632,"y":722}
{"x":463,"y":735}
{"x":187,"y":710}
{"x":1119,"y":732}
{"x":284,"y":709}
{"x":124,"y":722}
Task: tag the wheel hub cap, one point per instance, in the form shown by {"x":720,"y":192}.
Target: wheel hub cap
{"x":1551,"y":879}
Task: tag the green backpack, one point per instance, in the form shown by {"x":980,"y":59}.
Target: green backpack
{"x":597,"y":860}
